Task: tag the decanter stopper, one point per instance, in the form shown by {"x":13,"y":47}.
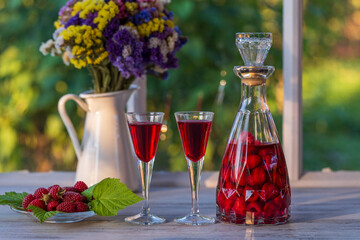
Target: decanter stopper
{"x":253,"y":47}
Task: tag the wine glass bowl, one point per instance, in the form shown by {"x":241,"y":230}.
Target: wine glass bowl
{"x":145,"y":131}
{"x":194,"y":128}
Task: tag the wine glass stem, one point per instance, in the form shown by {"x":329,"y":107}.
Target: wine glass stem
{"x":195,"y":175}
{"x":145,"y":169}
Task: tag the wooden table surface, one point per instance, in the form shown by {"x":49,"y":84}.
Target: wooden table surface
{"x":317,"y":213}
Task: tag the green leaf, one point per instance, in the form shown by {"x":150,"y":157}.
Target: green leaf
{"x":41,"y":214}
{"x":13,"y":199}
{"x":110,"y":196}
{"x":88,"y":193}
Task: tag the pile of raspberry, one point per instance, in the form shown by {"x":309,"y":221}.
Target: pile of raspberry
{"x":253,"y":179}
{"x":56,"y":198}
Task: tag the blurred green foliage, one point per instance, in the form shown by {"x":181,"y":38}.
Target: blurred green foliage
{"x":33,"y":137}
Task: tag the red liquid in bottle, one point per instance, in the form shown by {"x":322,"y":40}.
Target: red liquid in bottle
{"x":253,"y":184}
{"x":194,"y":136}
{"x":145,"y":138}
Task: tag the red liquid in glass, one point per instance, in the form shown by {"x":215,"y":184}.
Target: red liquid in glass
{"x":145,"y":138}
{"x":253,"y":184}
{"x":194,"y":136}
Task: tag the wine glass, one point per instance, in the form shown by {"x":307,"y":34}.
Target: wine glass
{"x":145,"y":131}
{"x":194,"y":128}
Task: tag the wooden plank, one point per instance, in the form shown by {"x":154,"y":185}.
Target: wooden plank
{"x":325,"y":213}
{"x":292,"y":67}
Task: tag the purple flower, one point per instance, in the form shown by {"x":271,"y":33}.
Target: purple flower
{"x":164,"y":34}
{"x":90,"y":19}
{"x":112,"y":27}
{"x":125,"y":52}
{"x":75,"y":20}
{"x":141,"y":17}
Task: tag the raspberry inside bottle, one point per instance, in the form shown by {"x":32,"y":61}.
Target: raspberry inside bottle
{"x":253,"y":186}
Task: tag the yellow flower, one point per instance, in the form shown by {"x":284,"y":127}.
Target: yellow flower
{"x":170,"y":23}
{"x":87,"y":45}
{"x":131,"y":6}
{"x":58,"y":24}
{"x":106,"y":13}
{"x":154,"y":25}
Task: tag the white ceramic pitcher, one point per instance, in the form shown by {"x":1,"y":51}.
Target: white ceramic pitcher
{"x":106,"y":150}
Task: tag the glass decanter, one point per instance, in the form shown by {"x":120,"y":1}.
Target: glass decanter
{"x":253,"y":186}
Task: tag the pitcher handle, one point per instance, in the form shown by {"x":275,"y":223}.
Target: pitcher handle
{"x":68,"y":124}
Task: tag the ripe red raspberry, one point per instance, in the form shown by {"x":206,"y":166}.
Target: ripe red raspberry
{"x":72,"y":197}
{"x":225,"y":203}
{"x":256,"y":177}
{"x":84,"y":199}
{"x":37,"y":203}
{"x":270,"y":162}
{"x":49,"y":188}
{"x":247,"y":150}
{"x":81,"y":207}
{"x":255,"y":207}
{"x":56,"y":192}
{"x":257,"y":142}
{"x":239,"y":206}
{"x":238,"y":177}
{"x":271,"y":210}
{"x":278,"y":180}
{"x":80,"y":186}
{"x":267,"y":152}
{"x":225,"y":174}
{"x":282,"y":201}
{"x":51,"y":206}
{"x":268,"y":191}
{"x":40,"y":192}
{"x":28,"y":199}
{"x":228,"y":189}
{"x":70,"y":189}
{"x":250,"y":194}
{"x":252,"y":161}
{"x":68,"y":207}
{"x":247,"y":137}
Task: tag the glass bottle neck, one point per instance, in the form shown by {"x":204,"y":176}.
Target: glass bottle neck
{"x":253,"y":98}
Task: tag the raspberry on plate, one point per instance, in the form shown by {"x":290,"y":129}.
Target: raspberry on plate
{"x":40,"y":192}
{"x":81,"y":207}
{"x":56,"y":192}
{"x":51,"y":206}
{"x":27,"y":200}
{"x":72,"y":197}
{"x":37,"y":203}
{"x":80,"y":186}
{"x":70,"y":189}
{"x":68,"y":207}
{"x":49,"y":188}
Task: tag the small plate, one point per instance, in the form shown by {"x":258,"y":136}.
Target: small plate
{"x":60,"y":217}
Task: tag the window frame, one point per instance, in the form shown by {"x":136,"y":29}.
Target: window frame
{"x":292,"y":70}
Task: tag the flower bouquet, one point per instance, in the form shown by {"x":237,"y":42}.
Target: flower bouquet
{"x":117,"y":40}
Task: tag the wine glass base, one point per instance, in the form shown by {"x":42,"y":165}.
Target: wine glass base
{"x":195,"y":220}
{"x":142,"y":219}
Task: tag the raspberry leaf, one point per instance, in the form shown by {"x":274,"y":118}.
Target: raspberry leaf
{"x":13,"y":199}
{"x":88,"y":193}
{"x":110,"y":196}
{"x":41,"y":214}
